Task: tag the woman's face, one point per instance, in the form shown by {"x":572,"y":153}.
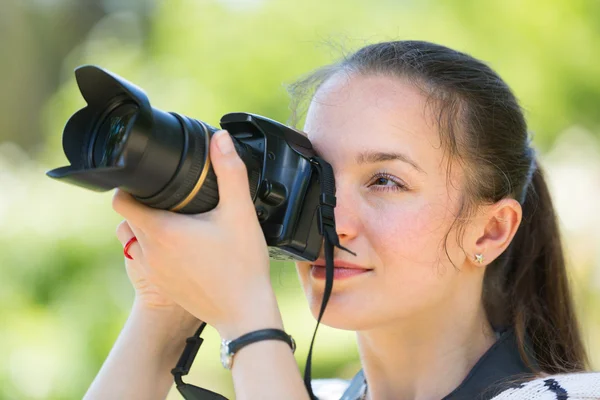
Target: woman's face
{"x":394,"y":204}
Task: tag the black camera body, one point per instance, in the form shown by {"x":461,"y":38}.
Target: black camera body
{"x":163,"y":160}
{"x":288,"y":196}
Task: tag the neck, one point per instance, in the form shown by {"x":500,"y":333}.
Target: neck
{"x":427,"y":357}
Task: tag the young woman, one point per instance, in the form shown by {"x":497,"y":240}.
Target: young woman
{"x":459,"y":282}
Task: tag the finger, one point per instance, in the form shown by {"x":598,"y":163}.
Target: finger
{"x":143,"y":217}
{"x":231,"y":172}
{"x":126,"y":232}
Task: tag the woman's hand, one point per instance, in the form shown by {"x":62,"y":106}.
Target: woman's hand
{"x":146,"y":293}
{"x":216,"y":264}
{"x":149,"y":298}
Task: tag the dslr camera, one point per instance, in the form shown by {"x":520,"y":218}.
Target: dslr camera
{"x":162,"y":159}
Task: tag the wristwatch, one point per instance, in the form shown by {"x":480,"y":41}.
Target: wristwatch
{"x":230,"y":347}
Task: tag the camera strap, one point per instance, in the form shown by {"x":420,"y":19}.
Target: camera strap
{"x":326,"y":222}
{"x":191,"y":392}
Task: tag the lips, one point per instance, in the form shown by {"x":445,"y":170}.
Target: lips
{"x":341,"y":270}
{"x":340,"y":264}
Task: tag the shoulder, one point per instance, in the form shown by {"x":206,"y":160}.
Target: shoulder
{"x":329,"y":389}
{"x":584,"y":385}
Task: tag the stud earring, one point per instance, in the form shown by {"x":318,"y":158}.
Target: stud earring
{"x":479,"y":258}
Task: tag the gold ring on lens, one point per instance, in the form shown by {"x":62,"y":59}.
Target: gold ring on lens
{"x":202,"y":176}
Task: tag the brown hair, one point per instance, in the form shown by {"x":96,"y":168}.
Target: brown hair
{"x":527,"y":286}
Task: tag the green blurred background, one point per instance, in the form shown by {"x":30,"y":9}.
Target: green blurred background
{"x":63,"y":288}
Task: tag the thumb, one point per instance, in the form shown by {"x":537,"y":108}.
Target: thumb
{"x":231,"y":172}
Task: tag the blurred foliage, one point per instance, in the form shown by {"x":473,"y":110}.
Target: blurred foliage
{"x":63,"y":287}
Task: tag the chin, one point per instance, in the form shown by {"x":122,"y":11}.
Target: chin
{"x":350,"y":305}
{"x":343,"y":312}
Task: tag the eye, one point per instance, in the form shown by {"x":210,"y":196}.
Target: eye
{"x":384,"y":182}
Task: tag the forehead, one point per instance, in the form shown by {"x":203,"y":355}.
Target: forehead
{"x":352,"y":113}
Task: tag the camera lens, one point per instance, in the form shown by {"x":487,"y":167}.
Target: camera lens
{"x":161,"y":158}
{"x":112,"y":135}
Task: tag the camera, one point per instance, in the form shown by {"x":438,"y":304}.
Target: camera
{"x":162,"y":159}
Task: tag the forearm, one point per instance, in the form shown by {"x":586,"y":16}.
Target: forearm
{"x":266,"y":369}
{"x":139,"y":364}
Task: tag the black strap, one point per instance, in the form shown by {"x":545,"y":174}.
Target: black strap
{"x":326,"y":221}
{"x":191,"y":392}
{"x":327,"y":229}
{"x":263,"y":334}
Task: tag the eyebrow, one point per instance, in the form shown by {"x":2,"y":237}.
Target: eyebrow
{"x":370,"y":157}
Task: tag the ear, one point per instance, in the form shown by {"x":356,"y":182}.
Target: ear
{"x":498,"y":225}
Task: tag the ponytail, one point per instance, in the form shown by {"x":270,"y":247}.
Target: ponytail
{"x":536,"y":297}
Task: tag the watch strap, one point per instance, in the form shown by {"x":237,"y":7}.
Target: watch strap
{"x":257,"y":336}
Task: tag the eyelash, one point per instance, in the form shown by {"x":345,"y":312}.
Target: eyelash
{"x":400,"y":185}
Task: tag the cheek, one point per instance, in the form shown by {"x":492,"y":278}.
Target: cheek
{"x":415,"y":271}
{"x":413,"y":234}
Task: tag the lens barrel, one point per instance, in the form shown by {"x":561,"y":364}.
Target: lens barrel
{"x":161,"y":158}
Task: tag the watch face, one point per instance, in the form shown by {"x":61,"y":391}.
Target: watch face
{"x":226,"y":356}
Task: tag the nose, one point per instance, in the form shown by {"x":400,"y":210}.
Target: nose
{"x":347,"y":220}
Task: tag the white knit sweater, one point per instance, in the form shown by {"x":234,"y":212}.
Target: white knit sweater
{"x":579,"y":386}
{"x":557,"y":387}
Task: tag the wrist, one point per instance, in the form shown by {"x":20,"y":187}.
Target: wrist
{"x":259,"y":314}
{"x":235,"y":330}
{"x":171,"y":323}
{"x":229,"y":348}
